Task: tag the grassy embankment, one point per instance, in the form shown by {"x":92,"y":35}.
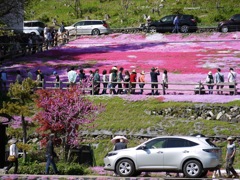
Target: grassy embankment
{"x":130,"y":15}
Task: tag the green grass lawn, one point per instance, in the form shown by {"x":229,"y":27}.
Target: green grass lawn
{"x":123,"y":14}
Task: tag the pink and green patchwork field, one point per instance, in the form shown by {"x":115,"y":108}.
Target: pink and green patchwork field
{"x":187,"y":58}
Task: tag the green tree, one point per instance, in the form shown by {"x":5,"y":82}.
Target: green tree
{"x":21,"y":104}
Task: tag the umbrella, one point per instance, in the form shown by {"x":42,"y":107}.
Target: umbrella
{"x":113,"y":140}
{"x":12,"y":141}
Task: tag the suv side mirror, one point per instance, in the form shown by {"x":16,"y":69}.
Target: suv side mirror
{"x":143,"y":147}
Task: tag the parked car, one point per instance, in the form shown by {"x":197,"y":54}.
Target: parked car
{"x":91,"y":27}
{"x":187,"y":23}
{"x":34,"y":26}
{"x":193,"y":156}
{"x":233,"y":24}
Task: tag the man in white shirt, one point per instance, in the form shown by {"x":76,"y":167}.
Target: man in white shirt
{"x":232,"y":77}
{"x":13,"y":151}
{"x":72,"y":76}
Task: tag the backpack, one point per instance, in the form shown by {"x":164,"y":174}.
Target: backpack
{"x":221,"y":78}
{"x":114,"y":77}
{"x":42,"y":77}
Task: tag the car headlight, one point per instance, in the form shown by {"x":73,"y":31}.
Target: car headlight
{"x":111,"y":154}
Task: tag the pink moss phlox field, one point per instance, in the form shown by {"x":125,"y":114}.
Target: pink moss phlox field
{"x":187,"y":58}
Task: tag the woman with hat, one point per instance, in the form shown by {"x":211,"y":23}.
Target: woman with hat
{"x":133,"y":80}
{"x":230,"y":155}
{"x":141,"y":81}
{"x":13,"y":151}
{"x":210,"y":82}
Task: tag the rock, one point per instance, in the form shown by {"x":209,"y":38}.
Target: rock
{"x":210,"y":113}
{"x":219,"y":115}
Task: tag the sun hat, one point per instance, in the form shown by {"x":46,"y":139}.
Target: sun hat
{"x":12,"y":141}
{"x":54,"y":72}
{"x":210,"y":73}
{"x":230,"y":138}
{"x":133,"y":70}
{"x":143,"y":72}
{"x":114,"y":68}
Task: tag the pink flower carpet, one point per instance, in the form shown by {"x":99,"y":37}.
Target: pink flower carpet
{"x":187,"y":58}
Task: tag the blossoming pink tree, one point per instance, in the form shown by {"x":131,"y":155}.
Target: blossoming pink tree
{"x":64,"y":112}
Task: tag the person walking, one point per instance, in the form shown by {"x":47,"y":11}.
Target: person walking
{"x":19,"y":78}
{"x":133,"y":80}
{"x":72,"y":77}
{"x":219,"y":77}
{"x":120,"y":80}
{"x":3,"y":79}
{"x":126,"y":80}
{"x":210,"y":82}
{"x":57,"y":79}
{"x":13,"y":151}
{"x":176,"y":24}
{"x":154,"y":80}
{"x":232,"y":76}
{"x":51,"y":154}
{"x":119,"y":144}
{"x":230,"y":155}
{"x":96,"y":82}
{"x":141,"y":81}
{"x":105,"y":81}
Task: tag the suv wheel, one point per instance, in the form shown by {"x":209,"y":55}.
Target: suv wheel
{"x":152,"y":29}
{"x":192,"y":169}
{"x":224,"y":29}
{"x":184,"y":28}
{"x":95,"y":32}
{"x":125,"y":168}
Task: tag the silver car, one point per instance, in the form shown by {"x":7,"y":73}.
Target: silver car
{"x":193,"y":156}
{"x":90,"y":27}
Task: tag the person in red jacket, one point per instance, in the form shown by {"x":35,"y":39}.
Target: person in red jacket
{"x":133,"y":80}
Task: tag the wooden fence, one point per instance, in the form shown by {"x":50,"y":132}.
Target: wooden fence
{"x":163,"y":88}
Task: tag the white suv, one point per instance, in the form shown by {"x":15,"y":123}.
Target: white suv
{"x":34,"y":26}
{"x":91,"y":27}
{"x":193,"y":156}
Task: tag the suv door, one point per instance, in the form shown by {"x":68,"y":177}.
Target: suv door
{"x":151,"y":157}
{"x":79,"y":27}
{"x":166,"y":24}
{"x":175,"y":151}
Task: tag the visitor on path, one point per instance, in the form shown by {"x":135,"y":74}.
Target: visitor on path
{"x":72,"y":77}
{"x":19,"y":78}
{"x":29,"y":74}
{"x":165,"y":78}
{"x":154,"y":79}
{"x":105,"y":81}
{"x":232,"y":77}
{"x":96,"y":82}
{"x":113,"y":80}
{"x":57,"y":79}
{"x":40,"y":78}
{"x":13,"y":151}
{"x":133,"y":80}
{"x":126,"y":80}
{"x":82,"y":76}
{"x":51,"y":154}
{"x":176,"y":24}
{"x":141,"y":81}
{"x":3,"y":77}
{"x":119,"y":144}
{"x":120,"y":80}
{"x":210,"y":82}
{"x":230,"y":155}
{"x":219,"y":77}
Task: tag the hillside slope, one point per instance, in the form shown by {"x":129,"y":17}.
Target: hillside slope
{"x":129,"y":13}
